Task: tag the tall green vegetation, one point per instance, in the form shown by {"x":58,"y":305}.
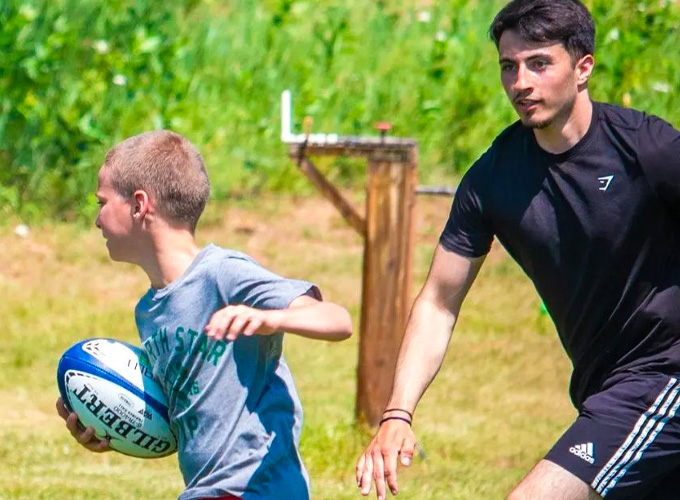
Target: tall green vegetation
{"x":78,"y":75}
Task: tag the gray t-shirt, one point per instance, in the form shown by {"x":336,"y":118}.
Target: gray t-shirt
{"x":233,"y":405}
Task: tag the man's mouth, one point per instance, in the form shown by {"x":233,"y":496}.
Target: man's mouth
{"x":526,"y":104}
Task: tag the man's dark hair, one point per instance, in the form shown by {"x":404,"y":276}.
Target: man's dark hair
{"x":565,"y":21}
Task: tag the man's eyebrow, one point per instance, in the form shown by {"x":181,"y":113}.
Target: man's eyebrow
{"x":541,"y":55}
{"x":538,"y":55}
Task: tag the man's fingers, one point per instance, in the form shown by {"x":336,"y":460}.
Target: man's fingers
{"x":379,"y":473}
{"x":391,"y":470}
{"x":395,"y":443}
{"x":367,"y":475}
{"x":407,"y":451}
{"x":360,"y":469}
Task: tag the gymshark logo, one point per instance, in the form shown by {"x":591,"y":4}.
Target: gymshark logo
{"x":586,"y":451}
{"x":605,"y":181}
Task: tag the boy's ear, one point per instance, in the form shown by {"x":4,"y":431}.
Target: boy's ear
{"x":141,"y":204}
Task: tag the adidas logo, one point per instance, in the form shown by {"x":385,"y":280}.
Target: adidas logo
{"x":586,"y":451}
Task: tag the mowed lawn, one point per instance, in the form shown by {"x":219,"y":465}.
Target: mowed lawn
{"x":495,"y":408}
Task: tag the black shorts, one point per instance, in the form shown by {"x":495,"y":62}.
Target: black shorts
{"x":625,"y":442}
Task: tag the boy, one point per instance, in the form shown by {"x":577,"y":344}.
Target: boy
{"x":211,"y":325}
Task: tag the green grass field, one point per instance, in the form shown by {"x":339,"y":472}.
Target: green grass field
{"x":495,"y":408}
{"x":79,"y":75}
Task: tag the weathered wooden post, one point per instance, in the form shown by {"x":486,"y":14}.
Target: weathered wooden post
{"x":388,"y":252}
{"x":388,"y":230}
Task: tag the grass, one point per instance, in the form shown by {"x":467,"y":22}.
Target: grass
{"x":498,"y":403}
{"x":500,"y":399}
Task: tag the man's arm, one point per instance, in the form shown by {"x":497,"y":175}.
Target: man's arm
{"x":305,"y":316}
{"x":422,"y":351}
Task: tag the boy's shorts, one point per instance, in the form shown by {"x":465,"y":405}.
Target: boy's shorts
{"x":625,"y":443}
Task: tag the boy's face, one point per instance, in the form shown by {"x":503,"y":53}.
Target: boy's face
{"x":540,"y":79}
{"x":115,"y":220}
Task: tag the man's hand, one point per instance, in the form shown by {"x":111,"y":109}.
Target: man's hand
{"x":85,"y":437}
{"x":232,"y":321}
{"x":395,"y":440}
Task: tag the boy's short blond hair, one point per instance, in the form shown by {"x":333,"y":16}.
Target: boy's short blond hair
{"x":168,"y":167}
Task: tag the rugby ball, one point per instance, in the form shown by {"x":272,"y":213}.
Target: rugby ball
{"x":109,"y":385}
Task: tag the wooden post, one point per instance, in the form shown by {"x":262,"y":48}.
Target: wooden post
{"x":386,"y":293}
{"x":388,"y":230}
{"x":333,"y":195}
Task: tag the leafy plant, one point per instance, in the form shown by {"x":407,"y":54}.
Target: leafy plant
{"x":76,"y":76}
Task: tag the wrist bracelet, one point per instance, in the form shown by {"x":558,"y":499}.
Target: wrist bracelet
{"x":395,"y":418}
{"x":399,"y":409}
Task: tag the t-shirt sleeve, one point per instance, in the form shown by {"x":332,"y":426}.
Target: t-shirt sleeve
{"x":468,"y":231}
{"x":659,"y":155}
{"x":244,"y":281}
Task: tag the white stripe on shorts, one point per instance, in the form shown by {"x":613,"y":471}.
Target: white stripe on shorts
{"x":648,"y":426}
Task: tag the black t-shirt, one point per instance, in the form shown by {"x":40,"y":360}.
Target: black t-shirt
{"x":596,"y":229}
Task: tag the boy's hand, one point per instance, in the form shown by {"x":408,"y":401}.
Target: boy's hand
{"x":232,"y":321}
{"x":85,"y":437}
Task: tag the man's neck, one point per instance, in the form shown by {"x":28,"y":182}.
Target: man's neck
{"x":173,"y":252}
{"x":565,"y":132}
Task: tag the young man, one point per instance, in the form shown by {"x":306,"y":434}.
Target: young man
{"x":237,"y":415}
{"x":585,"y":197}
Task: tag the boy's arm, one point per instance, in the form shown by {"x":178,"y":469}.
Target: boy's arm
{"x":305,"y":316}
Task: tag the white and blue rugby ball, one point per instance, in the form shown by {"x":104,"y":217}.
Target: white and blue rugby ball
{"x":109,"y":385}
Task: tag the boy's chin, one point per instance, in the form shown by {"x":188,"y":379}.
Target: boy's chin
{"x":116,"y":255}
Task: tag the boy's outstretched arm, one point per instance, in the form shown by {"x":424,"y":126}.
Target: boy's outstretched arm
{"x":305,"y":316}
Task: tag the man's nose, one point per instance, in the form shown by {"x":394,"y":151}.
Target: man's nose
{"x":522,"y":80}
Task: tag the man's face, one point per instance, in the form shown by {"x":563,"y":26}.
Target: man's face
{"x":115,"y":220}
{"x":540,"y":79}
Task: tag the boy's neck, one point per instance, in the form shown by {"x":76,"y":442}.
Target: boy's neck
{"x":172,"y":252}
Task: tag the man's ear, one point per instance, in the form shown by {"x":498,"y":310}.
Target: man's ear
{"x":141,"y":204}
{"x":584,"y":67}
